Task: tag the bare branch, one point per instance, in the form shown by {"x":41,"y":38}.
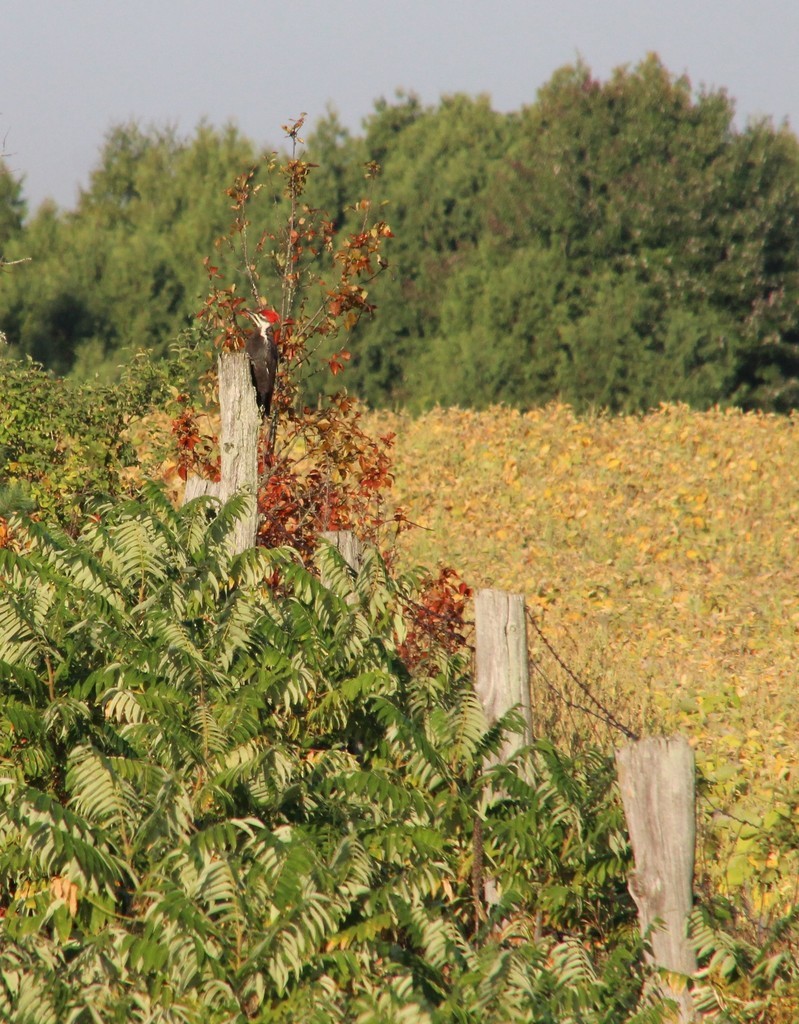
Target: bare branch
{"x":13,"y":263}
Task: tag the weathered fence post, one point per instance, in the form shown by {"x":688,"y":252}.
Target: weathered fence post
{"x":501,"y":682}
{"x":352,"y":551}
{"x":197,"y":486}
{"x":348,"y":544}
{"x":238,"y":441}
{"x":240,"y":424}
{"x":502,"y":678}
{"x":657,"y":782}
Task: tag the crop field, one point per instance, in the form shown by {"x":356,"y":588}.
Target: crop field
{"x":659,"y":556}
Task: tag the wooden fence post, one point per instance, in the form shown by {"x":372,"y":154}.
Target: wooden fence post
{"x":197,"y":486}
{"x":657,"y":782}
{"x":502,"y":678}
{"x":502,"y":682}
{"x":348,"y":544}
{"x":352,"y":551}
{"x":240,"y":424}
{"x":238,"y":441}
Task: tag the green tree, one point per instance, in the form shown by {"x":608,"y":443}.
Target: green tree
{"x":436,"y":167}
{"x":646,"y":189}
{"x":339,"y":172}
{"x":124,"y":271}
{"x":498,"y":334}
{"x":12,"y":206}
{"x":634,"y":249}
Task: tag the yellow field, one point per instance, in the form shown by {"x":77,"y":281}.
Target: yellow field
{"x":659,"y":555}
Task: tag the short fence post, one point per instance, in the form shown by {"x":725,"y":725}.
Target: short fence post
{"x":348,"y":544}
{"x":502,"y":678}
{"x":657,"y":783}
{"x":352,"y":551}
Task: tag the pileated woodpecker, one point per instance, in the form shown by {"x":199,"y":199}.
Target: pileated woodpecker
{"x":262,"y":350}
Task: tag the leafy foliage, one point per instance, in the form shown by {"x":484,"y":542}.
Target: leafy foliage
{"x":62,"y":442}
{"x":225,"y":801}
{"x":123,"y":271}
{"x":633,"y":252}
{"x":613,"y":244}
{"x":12,"y":207}
{"x":438,"y":218}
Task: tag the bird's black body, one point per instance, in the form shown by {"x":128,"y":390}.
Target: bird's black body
{"x":262,"y":350}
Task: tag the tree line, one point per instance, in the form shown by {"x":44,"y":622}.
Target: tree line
{"x":614,"y":244}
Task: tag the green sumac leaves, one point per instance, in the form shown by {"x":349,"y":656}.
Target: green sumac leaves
{"x":226,"y":796}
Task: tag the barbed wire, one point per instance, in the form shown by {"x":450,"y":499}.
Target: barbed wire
{"x":595,"y":708}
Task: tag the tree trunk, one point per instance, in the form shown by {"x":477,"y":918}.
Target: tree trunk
{"x":502,"y":678}
{"x":657,"y":780}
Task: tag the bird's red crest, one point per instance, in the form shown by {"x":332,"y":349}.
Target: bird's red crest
{"x":270,"y":314}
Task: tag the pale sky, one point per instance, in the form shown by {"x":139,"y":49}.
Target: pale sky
{"x":70,"y":69}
